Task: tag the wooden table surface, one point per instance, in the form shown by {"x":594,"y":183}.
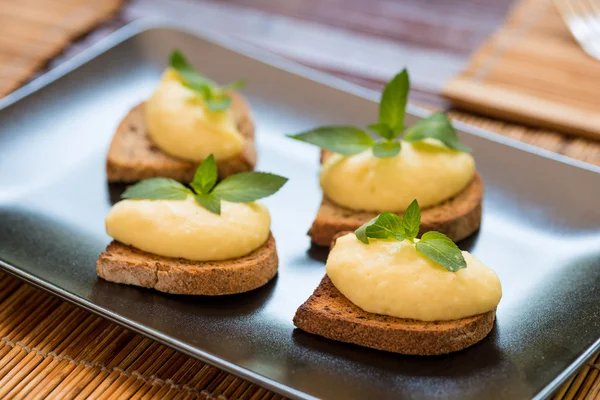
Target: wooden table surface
{"x":363,"y":41}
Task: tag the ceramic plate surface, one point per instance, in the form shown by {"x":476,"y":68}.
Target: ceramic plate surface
{"x":540,"y":230}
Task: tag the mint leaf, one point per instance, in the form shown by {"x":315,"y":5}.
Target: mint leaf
{"x":248,"y":186}
{"x":345,"y":140}
{"x":411,"y":220}
{"x":386,"y":149}
{"x":218,"y":104}
{"x":213,"y":95}
{"x":180,"y":64}
{"x":382,"y":130}
{"x":438,"y":247}
{"x":239,"y":188}
{"x":385,"y":226}
{"x":205,"y":176}
{"x":210,"y":202}
{"x":157,"y":189}
{"x":434,"y":245}
{"x":203,"y":89}
{"x":361,"y":232}
{"x":439,"y":127}
{"x":393,"y":103}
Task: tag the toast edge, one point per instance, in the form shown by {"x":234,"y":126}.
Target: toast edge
{"x":432,"y":338}
{"x":457,"y":218}
{"x":177,"y":276}
{"x":133,"y":170}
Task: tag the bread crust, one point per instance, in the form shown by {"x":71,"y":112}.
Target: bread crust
{"x":133,"y":157}
{"x":330,"y":314}
{"x":121,"y":263}
{"x":457,"y":218}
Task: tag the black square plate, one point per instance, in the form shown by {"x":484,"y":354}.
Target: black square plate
{"x":540,"y":231}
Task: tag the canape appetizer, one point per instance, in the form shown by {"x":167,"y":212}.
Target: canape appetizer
{"x":210,"y":239}
{"x":388,"y":290}
{"x":187,"y":118}
{"x":362,"y":177}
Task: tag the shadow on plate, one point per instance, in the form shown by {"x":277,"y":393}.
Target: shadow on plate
{"x":447,"y":365}
{"x":318,"y":253}
{"x":470,"y":242}
{"x":423,"y":376}
{"x":115,"y":190}
{"x":104,"y":293}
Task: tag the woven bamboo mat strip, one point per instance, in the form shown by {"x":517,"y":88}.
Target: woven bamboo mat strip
{"x":51,"y":349}
{"x":532,"y":71}
{"x":32,"y":32}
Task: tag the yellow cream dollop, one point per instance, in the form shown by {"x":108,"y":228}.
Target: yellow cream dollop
{"x":181,"y":228}
{"x":392,"y":278}
{"x":424,"y":171}
{"x":180,"y":124}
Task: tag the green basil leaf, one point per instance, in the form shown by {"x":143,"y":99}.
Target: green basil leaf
{"x":203,"y":89}
{"x":386,"y":149}
{"x":234,"y":86}
{"x":345,"y":140}
{"x":210,"y":202}
{"x":205,"y":177}
{"x":393,"y":103}
{"x":361,"y":232}
{"x":439,"y":127}
{"x":157,"y":189}
{"x":411,"y":220}
{"x":213,"y":95}
{"x":438,"y":247}
{"x":180,"y":64}
{"x":218,"y":104}
{"x":382,"y":130}
{"x":385,"y":226}
{"x":248,"y":186}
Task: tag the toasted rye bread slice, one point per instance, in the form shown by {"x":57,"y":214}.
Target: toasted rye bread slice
{"x":121,"y":263}
{"x":457,"y":217}
{"x":328,"y":313}
{"x":133,"y":157}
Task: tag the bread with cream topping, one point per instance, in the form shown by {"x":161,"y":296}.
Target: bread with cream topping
{"x":133,"y":157}
{"x":457,"y":218}
{"x":330,"y":314}
{"x":121,"y":263}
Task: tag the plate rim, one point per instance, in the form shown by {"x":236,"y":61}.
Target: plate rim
{"x":238,"y":45}
{"x":140,"y":26}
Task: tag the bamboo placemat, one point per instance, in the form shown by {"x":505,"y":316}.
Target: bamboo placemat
{"x":532,"y":71}
{"x":34,"y":31}
{"x":51,"y":349}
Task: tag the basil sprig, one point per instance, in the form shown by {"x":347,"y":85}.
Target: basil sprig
{"x":346,"y":140}
{"x":349,"y":140}
{"x":437,"y":126}
{"x":244,"y":187}
{"x":434,"y":245}
{"x":215,"y":96}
